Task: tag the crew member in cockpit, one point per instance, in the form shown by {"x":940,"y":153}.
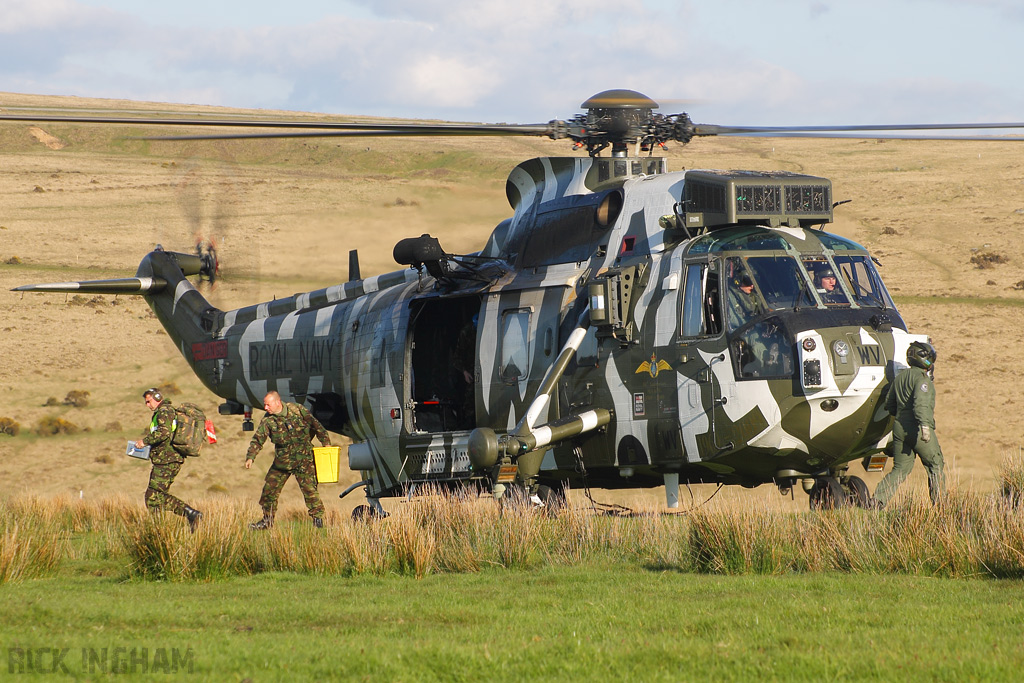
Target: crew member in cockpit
{"x":827,"y":284}
{"x":743,"y":303}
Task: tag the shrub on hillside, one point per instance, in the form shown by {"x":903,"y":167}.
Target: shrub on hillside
{"x":51,"y":425}
{"x":77,"y":398}
{"x":9,"y":426}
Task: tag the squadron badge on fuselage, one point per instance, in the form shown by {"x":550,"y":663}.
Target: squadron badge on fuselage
{"x":653,"y":366}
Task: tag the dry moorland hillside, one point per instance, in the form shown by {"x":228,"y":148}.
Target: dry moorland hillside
{"x":82,"y":202}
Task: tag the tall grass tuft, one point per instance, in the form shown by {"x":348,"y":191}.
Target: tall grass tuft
{"x":29,"y":550}
{"x":458,"y":527}
{"x":1011,"y":479}
{"x":741,"y":542}
{"x":162,"y":547}
{"x":515,"y":535}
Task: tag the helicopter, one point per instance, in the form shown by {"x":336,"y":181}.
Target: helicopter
{"x":626,"y":327}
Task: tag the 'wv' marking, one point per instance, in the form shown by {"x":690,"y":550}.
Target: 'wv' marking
{"x":870,"y":355}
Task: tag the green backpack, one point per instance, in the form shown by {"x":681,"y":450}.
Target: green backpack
{"x":190,"y":429}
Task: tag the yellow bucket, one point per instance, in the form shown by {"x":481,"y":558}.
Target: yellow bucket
{"x":326,"y":459}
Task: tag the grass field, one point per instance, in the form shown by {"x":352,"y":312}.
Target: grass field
{"x":457,"y":590}
{"x":593,"y":621}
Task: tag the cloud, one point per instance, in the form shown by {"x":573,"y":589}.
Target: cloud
{"x":520,"y":61}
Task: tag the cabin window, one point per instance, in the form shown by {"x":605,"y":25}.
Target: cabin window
{"x":515,"y":345}
{"x":835,"y":242}
{"x":863,"y":280}
{"x":702,"y":309}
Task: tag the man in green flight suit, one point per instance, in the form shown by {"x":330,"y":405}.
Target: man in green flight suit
{"x":912,"y":401}
{"x":290,"y":428}
{"x":743,"y":302}
{"x":166,"y":461}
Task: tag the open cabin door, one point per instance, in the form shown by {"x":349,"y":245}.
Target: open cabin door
{"x":442,"y":361}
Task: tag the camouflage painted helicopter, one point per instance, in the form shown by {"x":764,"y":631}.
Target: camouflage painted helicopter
{"x":626,"y":327}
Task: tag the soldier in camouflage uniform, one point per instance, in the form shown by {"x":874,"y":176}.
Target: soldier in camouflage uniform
{"x":291,"y":429}
{"x":912,"y":401}
{"x":166,"y":461}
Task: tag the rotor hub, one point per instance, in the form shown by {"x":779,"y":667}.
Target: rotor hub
{"x":620,"y":118}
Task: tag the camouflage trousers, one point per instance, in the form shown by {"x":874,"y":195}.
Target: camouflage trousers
{"x":305,"y":476}
{"x":906,"y":442}
{"x":160,"y":479}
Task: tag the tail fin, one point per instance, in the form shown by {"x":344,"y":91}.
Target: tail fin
{"x":162,"y":280}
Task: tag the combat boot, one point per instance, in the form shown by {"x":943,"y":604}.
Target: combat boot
{"x":265,"y":523}
{"x":318,"y":522}
{"x":193,"y":516}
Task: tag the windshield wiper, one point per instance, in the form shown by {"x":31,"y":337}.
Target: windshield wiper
{"x":871,"y":296}
{"x":804,"y":290}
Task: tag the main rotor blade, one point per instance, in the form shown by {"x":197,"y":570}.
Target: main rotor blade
{"x":408,"y":128}
{"x":711,"y":129}
{"x":838,"y":136}
{"x":377,"y":133}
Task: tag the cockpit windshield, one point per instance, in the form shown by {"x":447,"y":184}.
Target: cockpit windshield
{"x":781,"y":282}
{"x":826,"y":282}
{"x":769,"y":284}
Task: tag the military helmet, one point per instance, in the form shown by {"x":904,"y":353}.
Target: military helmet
{"x":155,"y":393}
{"x":921,"y":354}
{"x":824,"y":273}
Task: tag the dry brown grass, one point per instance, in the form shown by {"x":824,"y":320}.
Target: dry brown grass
{"x":967,"y":535}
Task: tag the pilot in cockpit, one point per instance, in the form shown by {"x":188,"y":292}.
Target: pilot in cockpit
{"x":827,"y":284}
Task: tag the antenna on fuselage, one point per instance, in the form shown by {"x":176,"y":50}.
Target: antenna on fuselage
{"x":353,"y":265}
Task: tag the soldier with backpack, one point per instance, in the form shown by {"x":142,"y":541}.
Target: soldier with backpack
{"x":166,"y":459}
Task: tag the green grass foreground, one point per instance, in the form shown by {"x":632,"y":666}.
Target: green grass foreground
{"x":459,"y":589}
{"x":587,"y":622}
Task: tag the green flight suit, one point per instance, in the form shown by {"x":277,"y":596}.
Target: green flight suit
{"x":166,"y":461}
{"x":911,"y":401}
{"x":291,"y":431}
{"x":740,"y":306}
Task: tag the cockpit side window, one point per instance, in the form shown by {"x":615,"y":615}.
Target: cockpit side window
{"x":743,"y":303}
{"x":702,"y":308}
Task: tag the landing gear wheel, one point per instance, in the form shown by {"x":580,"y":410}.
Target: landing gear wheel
{"x":515,"y":497}
{"x":365,"y":513}
{"x":827,"y":494}
{"x":857,"y":492}
{"x":553,"y":498}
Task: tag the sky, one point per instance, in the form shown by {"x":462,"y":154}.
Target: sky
{"x":728,"y":62}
